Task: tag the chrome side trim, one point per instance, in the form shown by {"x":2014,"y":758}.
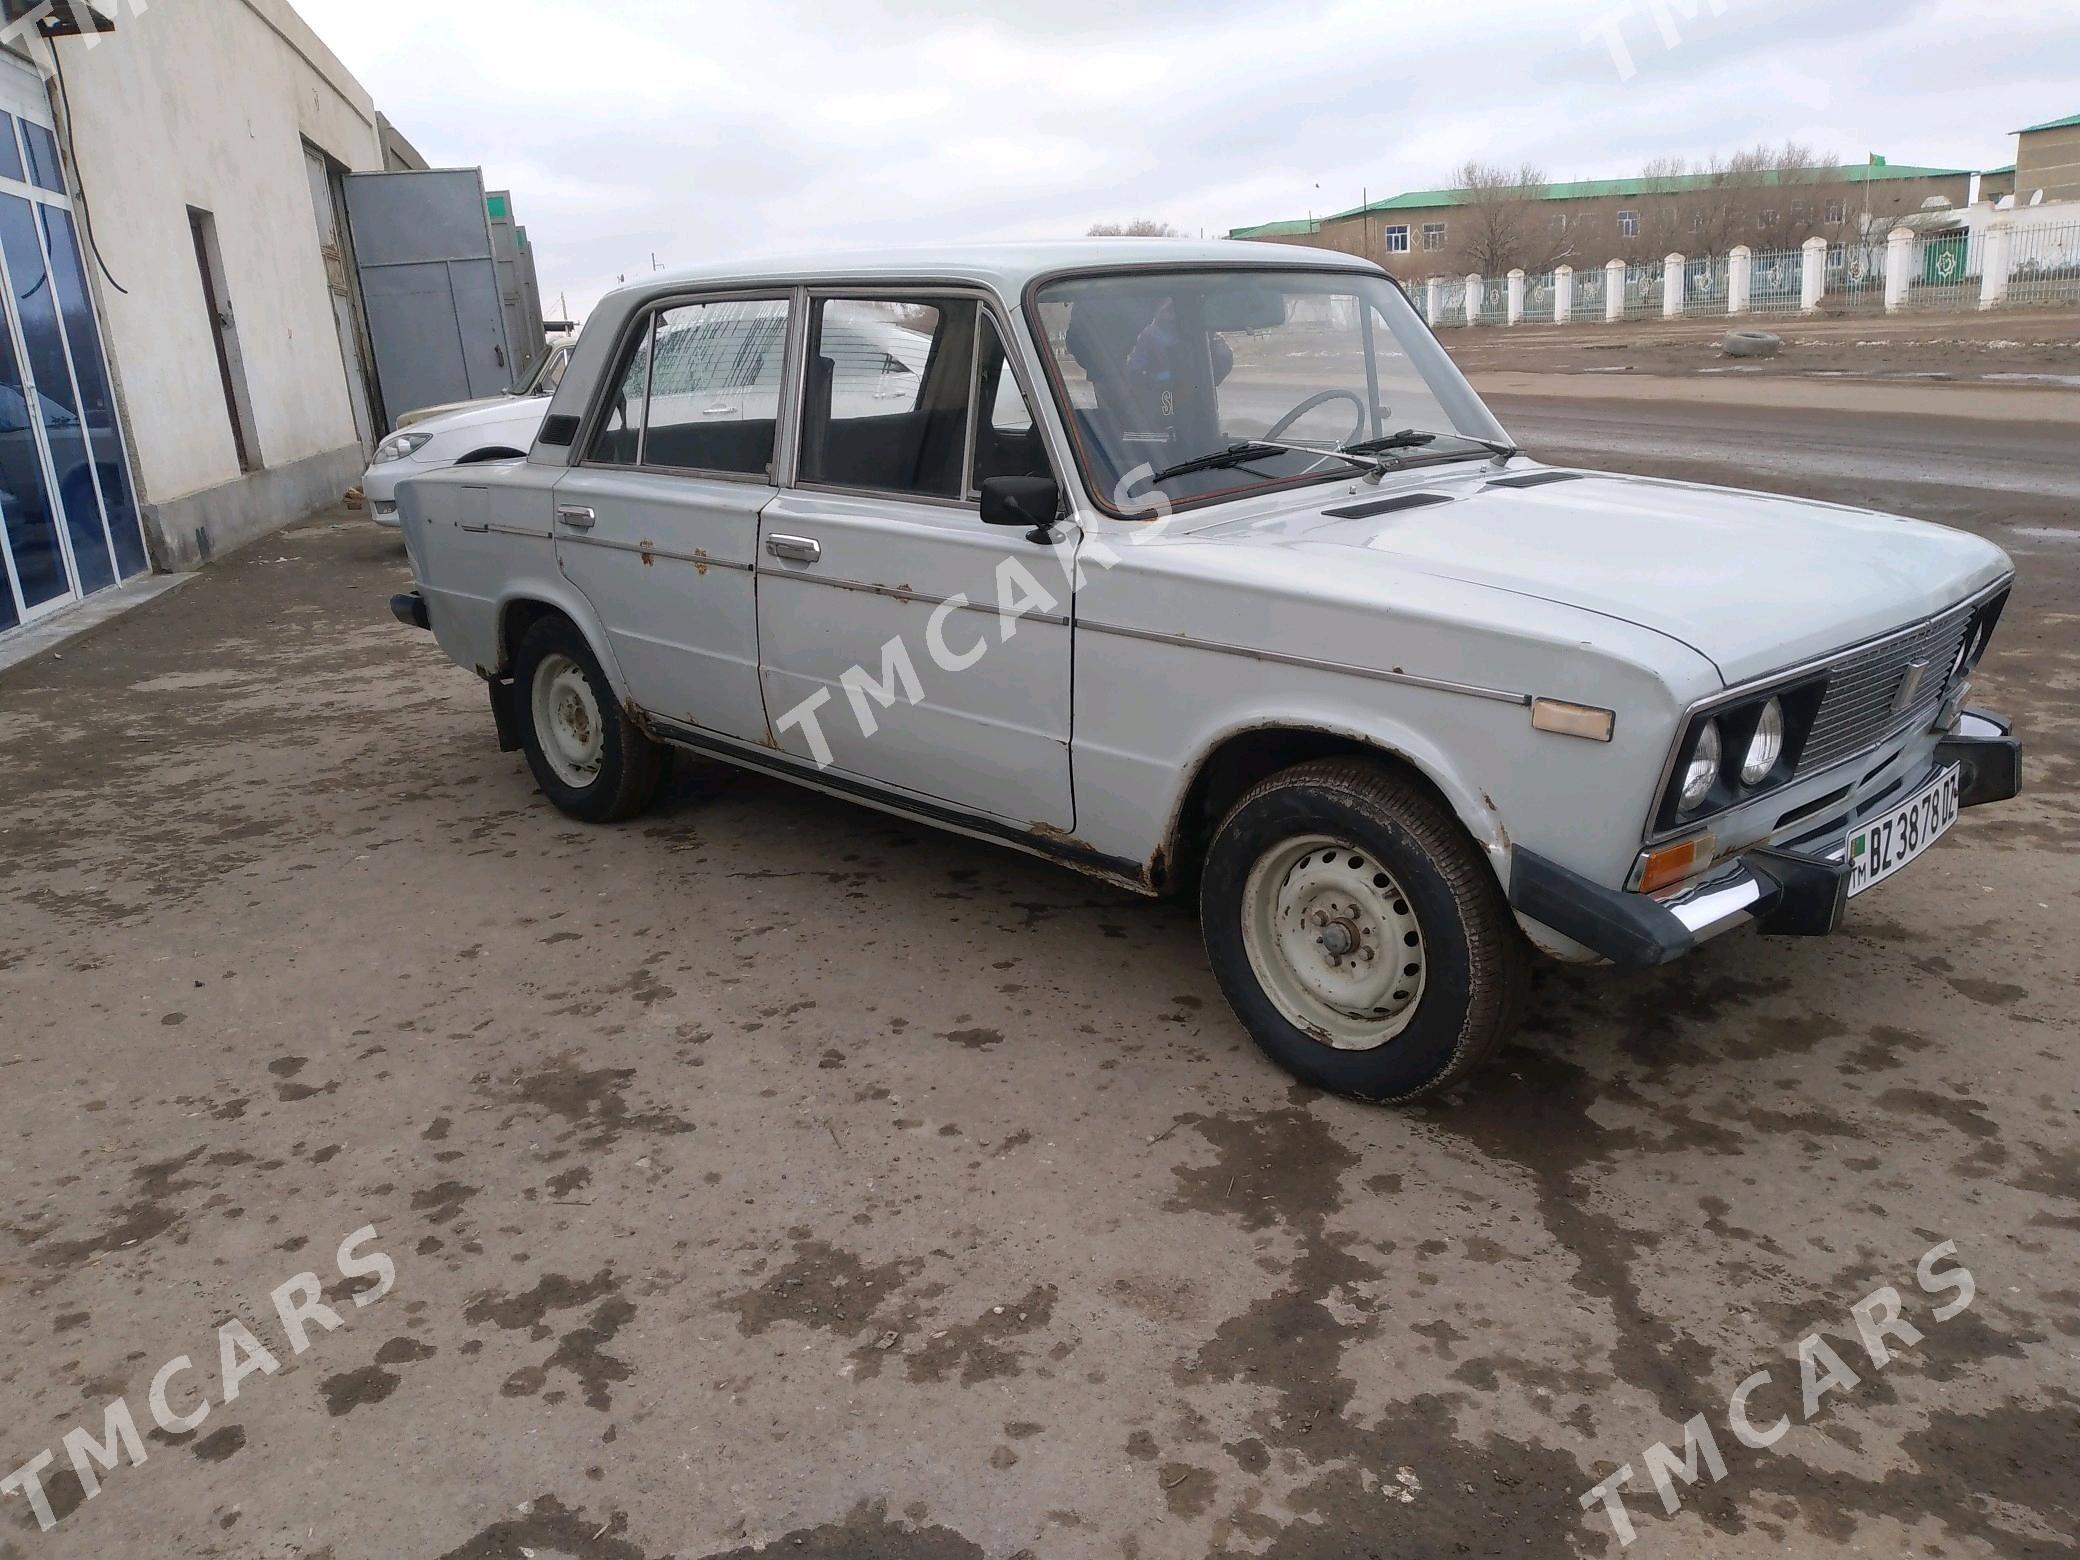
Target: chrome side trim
{"x":922,"y":597}
{"x":698,"y":560}
{"x":1311,"y":663}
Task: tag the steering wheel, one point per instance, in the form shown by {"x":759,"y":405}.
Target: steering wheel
{"x":1320,"y":398}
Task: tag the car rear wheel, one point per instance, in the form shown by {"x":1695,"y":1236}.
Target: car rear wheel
{"x":587,"y":755}
{"x":1359,"y":934}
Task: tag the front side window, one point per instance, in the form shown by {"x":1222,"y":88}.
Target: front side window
{"x":1179,"y":384}
{"x":886,"y":403}
{"x":1397,"y":240}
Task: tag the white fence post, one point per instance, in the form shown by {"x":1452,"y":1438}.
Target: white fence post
{"x":1614,"y":289}
{"x":1516,"y":296}
{"x":1672,"y":286}
{"x":1993,"y":265}
{"x":1563,"y":294}
{"x":1740,"y":264}
{"x":1899,"y":263}
{"x":1812,"y":281}
{"x":1474,"y":289}
{"x":1433,"y":301}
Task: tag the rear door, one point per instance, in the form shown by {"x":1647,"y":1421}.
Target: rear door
{"x":901,"y":639}
{"x":658,"y":523}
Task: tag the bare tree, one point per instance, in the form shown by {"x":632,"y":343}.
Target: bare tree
{"x":1505,"y":221}
{"x":1767,"y":197}
{"x":1140,"y":227}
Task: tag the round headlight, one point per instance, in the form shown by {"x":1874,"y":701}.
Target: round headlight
{"x":1703,"y":772}
{"x":1766,"y":746}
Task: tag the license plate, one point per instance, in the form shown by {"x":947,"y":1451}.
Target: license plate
{"x":1879,"y":848}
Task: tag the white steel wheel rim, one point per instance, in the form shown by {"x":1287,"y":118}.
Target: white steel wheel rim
{"x":567,"y":720}
{"x":1334,"y":942}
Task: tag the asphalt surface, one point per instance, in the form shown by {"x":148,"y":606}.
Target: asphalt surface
{"x":767,"y":1176}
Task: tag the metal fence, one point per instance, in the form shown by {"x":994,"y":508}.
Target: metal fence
{"x":2044,"y":266}
{"x":1591,"y":294}
{"x":1776,"y":281}
{"x":2014,"y":265}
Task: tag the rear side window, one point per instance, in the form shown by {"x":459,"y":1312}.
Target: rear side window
{"x":886,"y":406}
{"x":700,"y":390}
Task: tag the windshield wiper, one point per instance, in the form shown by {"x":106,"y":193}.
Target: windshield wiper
{"x":1233,"y":455}
{"x":1416,"y":438}
{"x":1257,"y":449}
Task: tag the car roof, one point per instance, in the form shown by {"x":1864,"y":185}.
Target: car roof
{"x":1005,"y":268}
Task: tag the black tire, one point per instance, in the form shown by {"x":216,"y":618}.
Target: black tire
{"x":631,"y":766}
{"x":1476,"y":965}
{"x":1751,"y":343}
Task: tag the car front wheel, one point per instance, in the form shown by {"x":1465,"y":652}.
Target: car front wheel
{"x":1359,"y":933}
{"x":587,"y":755}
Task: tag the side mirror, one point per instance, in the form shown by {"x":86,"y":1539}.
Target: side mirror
{"x":1027,"y":501}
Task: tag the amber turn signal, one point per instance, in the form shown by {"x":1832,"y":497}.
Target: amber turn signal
{"x":1573,"y":720}
{"x":1672,"y":863}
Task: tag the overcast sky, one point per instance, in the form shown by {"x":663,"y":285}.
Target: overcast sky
{"x":737,"y":127}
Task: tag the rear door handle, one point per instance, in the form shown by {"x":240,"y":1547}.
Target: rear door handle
{"x":576,"y":517}
{"x":796,"y":549}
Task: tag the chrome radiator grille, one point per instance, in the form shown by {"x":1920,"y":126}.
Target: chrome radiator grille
{"x":1857,"y":711}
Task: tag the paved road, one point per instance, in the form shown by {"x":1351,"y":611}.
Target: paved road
{"x":1850,"y":449}
{"x":769,"y":1173}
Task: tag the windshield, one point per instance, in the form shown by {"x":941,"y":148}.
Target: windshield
{"x":1166,"y":369}
{"x":548,"y":373}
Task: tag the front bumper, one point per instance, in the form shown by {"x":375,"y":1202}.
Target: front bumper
{"x":1795,"y":891}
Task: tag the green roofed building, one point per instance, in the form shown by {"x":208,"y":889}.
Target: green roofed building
{"x":1586,"y":222}
{"x":2047,"y":158}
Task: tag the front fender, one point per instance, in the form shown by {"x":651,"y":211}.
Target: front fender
{"x":1392,"y":738}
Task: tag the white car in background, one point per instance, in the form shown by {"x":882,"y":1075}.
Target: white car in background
{"x":706,"y":373}
{"x":462,"y":434}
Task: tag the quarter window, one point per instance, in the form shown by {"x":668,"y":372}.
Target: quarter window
{"x":1006,"y":442}
{"x":1397,"y":239}
{"x":886,"y":405}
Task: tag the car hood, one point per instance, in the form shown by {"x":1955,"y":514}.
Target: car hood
{"x":447,"y":409}
{"x":1751,"y":581}
{"x":524,"y":410}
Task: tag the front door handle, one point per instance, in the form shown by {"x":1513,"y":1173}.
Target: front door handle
{"x":576,"y":517}
{"x":796,"y":549}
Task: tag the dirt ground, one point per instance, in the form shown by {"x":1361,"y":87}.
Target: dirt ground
{"x":767,"y":1176}
{"x":2017,"y":347}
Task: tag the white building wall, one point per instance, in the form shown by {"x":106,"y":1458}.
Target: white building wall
{"x":207,"y":103}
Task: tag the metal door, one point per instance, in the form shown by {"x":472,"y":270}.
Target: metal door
{"x":429,"y":287}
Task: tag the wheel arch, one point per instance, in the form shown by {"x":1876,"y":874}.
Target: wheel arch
{"x":526,"y":602}
{"x":491,"y":452}
{"x":1246,"y":753}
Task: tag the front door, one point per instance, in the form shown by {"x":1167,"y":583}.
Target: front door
{"x":658,"y":525}
{"x":901,"y":640}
